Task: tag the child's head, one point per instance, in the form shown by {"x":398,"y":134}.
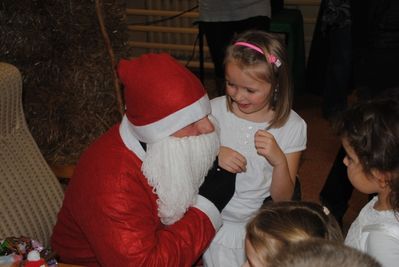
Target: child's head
{"x":280,"y":223}
{"x":320,"y":252}
{"x":370,"y":136}
{"x":261,"y":58}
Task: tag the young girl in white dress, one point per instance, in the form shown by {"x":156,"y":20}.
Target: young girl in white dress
{"x":370,"y":137}
{"x":261,"y":137}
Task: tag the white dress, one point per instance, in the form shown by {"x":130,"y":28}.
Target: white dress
{"x":376,"y":233}
{"x":253,"y":186}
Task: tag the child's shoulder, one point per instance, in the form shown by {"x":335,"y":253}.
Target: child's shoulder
{"x":295,"y":119}
{"x":293,"y":134}
{"x":370,"y":215}
{"x":218,"y":104}
{"x":218,"y":100}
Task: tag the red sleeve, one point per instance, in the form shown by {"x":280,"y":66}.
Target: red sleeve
{"x":125,"y":229}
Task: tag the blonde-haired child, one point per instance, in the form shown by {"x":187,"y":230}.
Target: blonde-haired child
{"x":261,"y":137}
{"x":278,"y":224}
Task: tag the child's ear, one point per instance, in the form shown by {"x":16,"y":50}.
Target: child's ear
{"x":381,"y":176}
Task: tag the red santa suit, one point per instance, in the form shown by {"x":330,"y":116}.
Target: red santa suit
{"x":110,"y":215}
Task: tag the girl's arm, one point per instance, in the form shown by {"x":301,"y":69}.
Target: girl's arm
{"x":285,"y":166}
{"x":282,"y":187}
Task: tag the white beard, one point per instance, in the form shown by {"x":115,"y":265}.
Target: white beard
{"x":176,"y":167}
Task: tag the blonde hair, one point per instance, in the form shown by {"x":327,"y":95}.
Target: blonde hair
{"x":278,"y":75}
{"x":321,"y":253}
{"x":278,"y":224}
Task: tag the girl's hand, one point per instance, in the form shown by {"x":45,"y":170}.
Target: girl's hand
{"x":231,"y":160}
{"x":267,"y":146}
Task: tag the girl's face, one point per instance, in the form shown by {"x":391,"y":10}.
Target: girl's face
{"x":362,"y":181}
{"x":250,"y":96}
{"x":253,"y":259}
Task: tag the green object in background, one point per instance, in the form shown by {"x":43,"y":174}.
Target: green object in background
{"x":290,"y":23}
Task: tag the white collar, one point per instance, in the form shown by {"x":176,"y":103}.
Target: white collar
{"x":129,"y":138}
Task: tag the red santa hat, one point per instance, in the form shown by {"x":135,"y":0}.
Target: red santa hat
{"x":161,"y":96}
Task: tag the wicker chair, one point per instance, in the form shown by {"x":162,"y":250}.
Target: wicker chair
{"x":30,"y":194}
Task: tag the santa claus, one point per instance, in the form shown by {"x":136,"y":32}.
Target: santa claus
{"x":141,"y":195}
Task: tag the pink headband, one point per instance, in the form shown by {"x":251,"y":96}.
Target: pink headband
{"x":272,"y":59}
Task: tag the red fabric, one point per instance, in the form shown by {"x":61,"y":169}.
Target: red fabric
{"x":38,"y":263}
{"x":156,"y":86}
{"x":109,"y":215}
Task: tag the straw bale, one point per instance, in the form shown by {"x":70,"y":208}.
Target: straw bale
{"x":69,"y":92}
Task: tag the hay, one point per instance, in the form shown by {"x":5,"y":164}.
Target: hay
{"x":68,"y":80}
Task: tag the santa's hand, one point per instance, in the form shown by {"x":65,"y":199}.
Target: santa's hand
{"x":231,"y":160}
{"x":218,"y":186}
{"x":267,"y":147}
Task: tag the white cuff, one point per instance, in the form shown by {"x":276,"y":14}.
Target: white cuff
{"x":210,"y":210}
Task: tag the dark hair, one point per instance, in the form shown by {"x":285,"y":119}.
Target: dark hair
{"x":280,"y":223}
{"x":278,"y":76}
{"x":371,"y":128}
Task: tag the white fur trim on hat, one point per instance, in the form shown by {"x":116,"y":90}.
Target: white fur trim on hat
{"x":167,"y":126}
